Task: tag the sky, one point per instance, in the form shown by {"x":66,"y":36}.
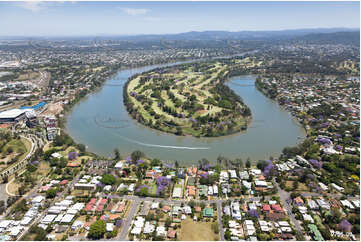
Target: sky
{"x":129,"y":18}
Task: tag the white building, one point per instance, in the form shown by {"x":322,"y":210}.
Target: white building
{"x":323,"y":186}
{"x":48,"y":219}
{"x":338,"y":188}
{"x":177,"y":192}
{"x":149,"y":228}
{"x":249,"y":228}
{"x":215,"y":190}
{"x":233,"y":174}
{"x":224,"y":176}
{"x":210,"y":190}
{"x":109,"y":227}
{"x":307,"y":217}
{"x":347,"y":204}
{"x":67,"y":218}
{"x":236,"y":212}
{"x":161,"y":231}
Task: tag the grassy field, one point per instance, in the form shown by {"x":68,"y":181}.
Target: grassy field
{"x":27,"y":145}
{"x":17,"y":145}
{"x":20,"y":146}
{"x":191,"y":100}
{"x":43,"y":169}
{"x":13,"y":187}
{"x":153,"y":189}
{"x":197,"y":231}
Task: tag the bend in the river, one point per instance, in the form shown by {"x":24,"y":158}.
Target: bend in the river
{"x":102,"y":123}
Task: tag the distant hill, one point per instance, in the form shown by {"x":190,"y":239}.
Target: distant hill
{"x":240,"y":35}
{"x":347,"y":38}
{"x":220,"y":38}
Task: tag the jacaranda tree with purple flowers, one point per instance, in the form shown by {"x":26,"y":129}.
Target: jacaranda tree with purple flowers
{"x":72,"y":155}
{"x":162,"y":184}
{"x":270,"y":170}
{"x":315,"y":163}
{"x":253,"y":213}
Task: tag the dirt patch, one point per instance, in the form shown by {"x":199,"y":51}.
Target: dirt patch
{"x":53,"y":109}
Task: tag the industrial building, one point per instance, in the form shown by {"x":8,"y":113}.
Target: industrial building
{"x":12,"y":115}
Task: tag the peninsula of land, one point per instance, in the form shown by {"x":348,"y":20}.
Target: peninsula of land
{"x":187,"y":99}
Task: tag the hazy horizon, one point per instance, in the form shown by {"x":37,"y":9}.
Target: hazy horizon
{"x":63,"y":19}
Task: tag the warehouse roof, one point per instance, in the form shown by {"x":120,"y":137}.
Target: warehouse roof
{"x":12,"y":113}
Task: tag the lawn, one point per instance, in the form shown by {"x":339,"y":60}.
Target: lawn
{"x":301,"y":186}
{"x":25,"y":143}
{"x":17,"y":145}
{"x":43,"y":169}
{"x":153,"y":189}
{"x":197,"y":231}
{"x":47,"y":146}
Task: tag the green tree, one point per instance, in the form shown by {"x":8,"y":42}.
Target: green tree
{"x":10,"y":150}
{"x":261,"y":164}
{"x":227,"y":234}
{"x":248,"y":163}
{"x":116,"y":154}
{"x":168,"y":222}
{"x":136,"y":155}
{"x":108,"y":179}
{"x":81,"y":148}
{"x":51,"y":193}
{"x":40,"y":233}
{"x":97,"y":230}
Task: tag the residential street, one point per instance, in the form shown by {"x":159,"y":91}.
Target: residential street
{"x":219,"y":216}
{"x":284,"y":196}
{"x":128,"y":220}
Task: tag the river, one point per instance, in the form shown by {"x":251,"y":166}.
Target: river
{"x":101,"y":122}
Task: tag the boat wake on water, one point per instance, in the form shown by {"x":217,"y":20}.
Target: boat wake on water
{"x":163,"y":146}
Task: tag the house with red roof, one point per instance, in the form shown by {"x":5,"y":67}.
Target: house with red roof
{"x":90,"y":205}
{"x":72,"y":164}
{"x":45,"y":188}
{"x":277,"y":208}
{"x":120,"y":208}
{"x":298,"y":201}
{"x":194,"y":170}
{"x":149,"y":174}
{"x":110,"y":206}
{"x":101,"y":204}
{"x":266,"y":208}
{"x":191,"y":191}
{"x":198,"y":209}
{"x":166,"y":208}
{"x":172,"y":233}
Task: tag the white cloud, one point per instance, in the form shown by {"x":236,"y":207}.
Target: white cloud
{"x":135,"y":11}
{"x":33,"y":6}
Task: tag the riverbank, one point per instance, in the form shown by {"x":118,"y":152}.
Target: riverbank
{"x":273,"y":98}
{"x":261,"y":140}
